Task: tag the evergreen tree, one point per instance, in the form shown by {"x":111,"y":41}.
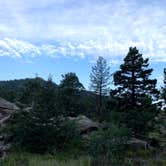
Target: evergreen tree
{"x":71,"y":81}
{"x":31,"y":91}
{"x":132,"y":99}
{"x":162,"y":102}
{"x":37,"y":129}
{"x":100,"y":80}
{"x":69,"y":89}
{"x":133,"y":79}
{"x":165,"y":77}
{"x":164,"y":87}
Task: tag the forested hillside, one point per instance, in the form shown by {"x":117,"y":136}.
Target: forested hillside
{"x":12,"y":89}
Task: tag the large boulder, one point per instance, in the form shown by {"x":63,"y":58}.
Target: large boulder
{"x":7,"y":106}
{"x":6,"y":109}
{"x":85,"y":125}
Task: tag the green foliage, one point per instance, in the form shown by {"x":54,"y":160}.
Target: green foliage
{"x":70,"y":102}
{"x":133,"y":159}
{"x":33,"y":133}
{"x":134,"y":93}
{"x":88,"y":104}
{"x":68,"y":137}
{"x":109,"y":143}
{"x":100,"y":80}
{"x":133,"y":79}
{"x":71,"y":81}
{"x":115,"y":117}
{"x":41,"y":129}
{"x":139,"y":120}
{"x":13,"y":90}
{"x":163,"y":92}
{"x":7,"y":94}
{"x":69,"y":94}
{"x":32,"y":88}
{"x":100,"y":77}
{"x":26,"y":159}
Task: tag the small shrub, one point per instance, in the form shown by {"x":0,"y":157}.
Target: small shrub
{"x":139,"y":121}
{"x":68,"y":137}
{"x":109,"y":143}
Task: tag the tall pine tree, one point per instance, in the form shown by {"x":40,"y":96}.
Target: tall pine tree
{"x":133,"y":79}
{"x":100,"y":80}
{"x":163,"y":94}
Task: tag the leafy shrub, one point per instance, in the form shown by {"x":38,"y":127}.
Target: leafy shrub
{"x":139,"y":121}
{"x":110,"y":142}
{"x":31,"y":134}
{"x":68,"y":137}
{"x":34,"y":136}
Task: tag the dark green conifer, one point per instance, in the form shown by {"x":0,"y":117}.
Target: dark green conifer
{"x":133,"y":79}
{"x":69,"y":94}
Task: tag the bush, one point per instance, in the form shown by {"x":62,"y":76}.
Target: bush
{"x":42,"y":129}
{"x":34,"y":136}
{"x":31,"y":134}
{"x":139,"y":121}
{"x":68,"y":137}
{"x":109,"y":143}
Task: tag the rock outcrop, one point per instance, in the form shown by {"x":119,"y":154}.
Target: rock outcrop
{"x":7,"y":106}
{"x":137,"y":143}
{"x":6,"y":110}
{"x":85,"y":125}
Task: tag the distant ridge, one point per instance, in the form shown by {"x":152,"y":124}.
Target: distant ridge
{"x":10,"y":89}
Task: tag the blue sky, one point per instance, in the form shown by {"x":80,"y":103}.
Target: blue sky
{"x":59,"y":36}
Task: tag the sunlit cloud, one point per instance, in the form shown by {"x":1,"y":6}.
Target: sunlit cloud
{"x":111,"y":50}
{"x":89,"y":28}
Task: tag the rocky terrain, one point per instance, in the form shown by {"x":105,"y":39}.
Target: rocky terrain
{"x":6,"y":110}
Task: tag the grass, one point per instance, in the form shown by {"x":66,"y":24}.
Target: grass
{"x":132,"y":158}
{"x":25,"y":159}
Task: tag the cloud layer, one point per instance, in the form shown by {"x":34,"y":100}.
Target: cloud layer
{"x":90,"y":28}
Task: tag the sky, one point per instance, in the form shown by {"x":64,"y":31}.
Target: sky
{"x":58,"y":36}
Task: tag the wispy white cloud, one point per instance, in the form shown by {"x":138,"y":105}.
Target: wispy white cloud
{"x":58,"y":28}
{"x":113,"y":51}
{"x":17,"y":48}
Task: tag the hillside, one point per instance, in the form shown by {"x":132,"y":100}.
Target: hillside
{"x":11,"y":89}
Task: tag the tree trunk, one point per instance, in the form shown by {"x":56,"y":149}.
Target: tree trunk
{"x":133,"y":90}
{"x":100,"y":100}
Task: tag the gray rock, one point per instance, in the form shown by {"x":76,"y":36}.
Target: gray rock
{"x":4,"y":150}
{"x":85,"y":124}
{"x":7,"y":106}
{"x":6,"y":109}
{"x":27,"y":109}
{"x":137,"y":143}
